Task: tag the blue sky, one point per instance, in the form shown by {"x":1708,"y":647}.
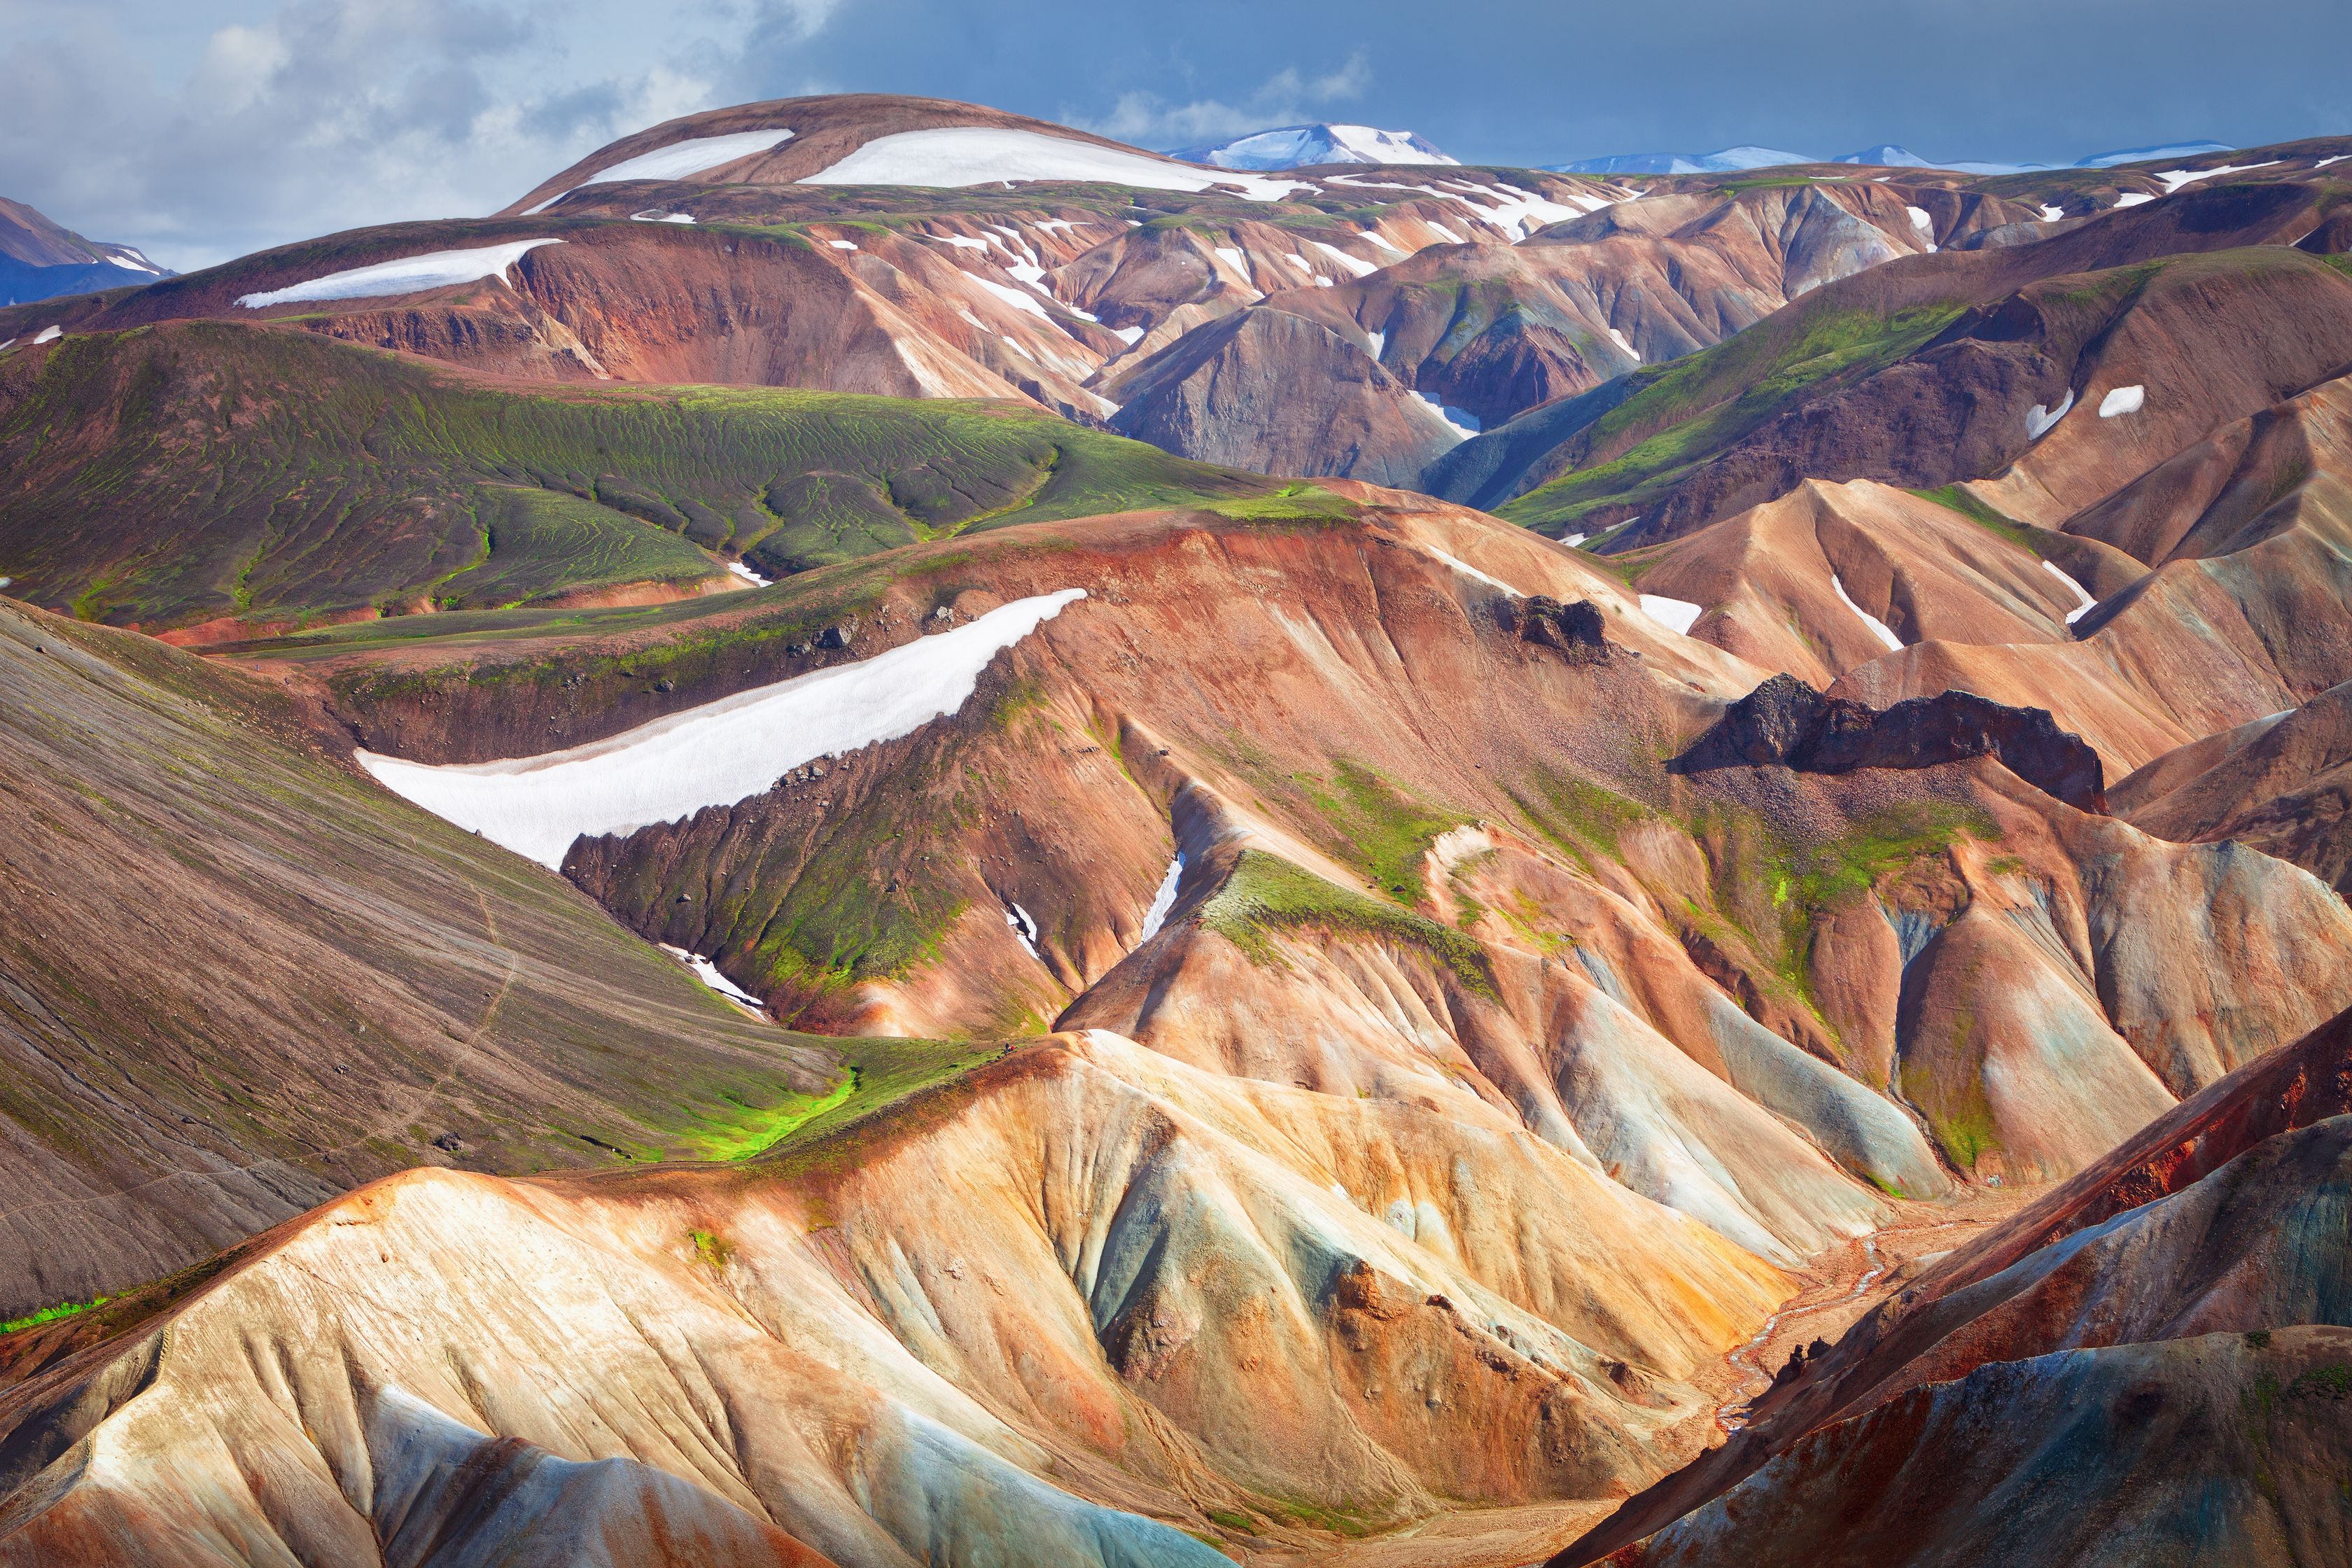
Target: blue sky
{"x":202,"y":128}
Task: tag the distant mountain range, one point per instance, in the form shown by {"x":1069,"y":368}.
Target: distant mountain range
{"x":41,"y":259}
{"x":1306,"y":146}
{"x":1886,"y":154}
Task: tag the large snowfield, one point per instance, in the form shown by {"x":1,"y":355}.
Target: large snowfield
{"x":959,"y":156}
{"x":717,"y":754}
{"x":409,"y":275}
{"x":679,"y":160}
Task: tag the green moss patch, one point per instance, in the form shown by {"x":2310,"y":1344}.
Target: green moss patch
{"x":51,"y":1314}
{"x":1380,"y":828}
{"x":1268,"y":895}
{"x":1688,"y":410}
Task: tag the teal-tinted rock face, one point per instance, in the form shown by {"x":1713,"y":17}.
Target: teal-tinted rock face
{"x":2210,"y":1450}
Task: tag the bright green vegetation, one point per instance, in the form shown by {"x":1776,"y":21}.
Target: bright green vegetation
{"x":1770,"y":893}
{"x":715,"y":1250}
{"x":1266,"y":894}
{"x":51,"y":1314}
{"x":1817,"y":877}
{"x":1959,"y":498}
{"x":1379,"y":829}
{"x":1298,"y":502}
{"x":763,"y":1127}
{"x":202,"y":469}
{"x":1687,"y":411}
{"x":1582,"y":817}
{"x":897,"y":1077}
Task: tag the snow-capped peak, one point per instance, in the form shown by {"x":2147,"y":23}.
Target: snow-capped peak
{"x":2144,"y":154}
{"x":1727,"y":160}
{"x":1304,"y":146}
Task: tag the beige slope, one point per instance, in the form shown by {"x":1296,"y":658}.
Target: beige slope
{"x":1770,"y":580}
{"x":1180,"y":1295}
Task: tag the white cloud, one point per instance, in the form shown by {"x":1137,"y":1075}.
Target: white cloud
{"x":331,"y":114}
{"x":1286,"y":97}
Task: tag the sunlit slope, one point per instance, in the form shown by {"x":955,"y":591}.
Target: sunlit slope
{"x":197,"y":470}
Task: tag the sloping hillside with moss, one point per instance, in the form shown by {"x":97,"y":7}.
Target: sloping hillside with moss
{"x":193,"y":470}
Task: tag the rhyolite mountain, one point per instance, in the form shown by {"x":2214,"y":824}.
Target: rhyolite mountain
{"x":40,"y":260}
{"x":1311,"y":146}
{"x":884,"y":835}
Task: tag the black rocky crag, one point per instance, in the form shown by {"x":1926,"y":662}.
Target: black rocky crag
{"x":1786,"y":724}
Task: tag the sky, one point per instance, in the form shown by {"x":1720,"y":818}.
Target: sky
{"x":201,"y":129}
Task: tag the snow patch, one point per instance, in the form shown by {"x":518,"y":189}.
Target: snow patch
{"x":2338,"y":158}
{"x":1921,"y":220}
{"x":954,"y":157}
{"x":747,"y":575}
{"x":843,"y":244}
{"x":1380,"y":342}
{"x":650,"y":215}
{"x":1879,"y":628}
{"x":708,"y":973}
{"x":1022,"y":927}
{"x":1300,"y":262}
{"x":409,"y":275}
{"x":1460,"y":419}
{"x":130,"y":266}
{"x":1163,"y":901}
{"x":720,"y":752}
{"x":2133,"y":199}
{"x":2041,"y":420}
{"x":677,"y":160}
{"x":1233,"y":259}
{"x":1622,"y":342}
{"x":47,"y":335}
{"x":1128,"y":335}
{"x":1358,"y":267}
{"x":2122,"y":400}
{"x":1675,"y":614}
{"x":2051,"y":214}
{"x":1019,"y":300}
{"x":2174,"y":179}
{"x":1436,"y":228}
{"x":1469,"y":570}
{"x":2088,"y":603}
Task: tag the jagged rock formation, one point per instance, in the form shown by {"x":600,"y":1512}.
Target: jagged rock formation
{"x":1786,"y":724}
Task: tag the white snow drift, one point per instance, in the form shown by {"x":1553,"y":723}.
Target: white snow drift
{"x":952,"y":156}
{"x":2122,"y":400}
{"x":677,"y":160}
{"x":2044,"y":418}
{"x":2088,"y":603}
{"x":409,"y":275}
{"x":1163,"y":902}
{"x":1879,"y":628}
{"x":717,"y":754}
{"x":1675,"y":614}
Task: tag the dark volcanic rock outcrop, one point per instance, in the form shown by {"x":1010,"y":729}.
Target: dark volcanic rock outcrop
{"x":1576,"y":630}
{"x":1786,"y":724}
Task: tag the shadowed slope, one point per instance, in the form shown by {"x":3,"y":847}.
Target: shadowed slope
{"x":240,"y":978}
